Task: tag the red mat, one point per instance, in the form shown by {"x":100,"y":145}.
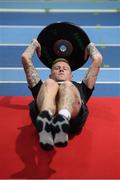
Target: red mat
{"x":95,"y":153}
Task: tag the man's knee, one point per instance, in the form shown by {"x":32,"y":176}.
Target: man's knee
{"x":66,"y":84}
{"x":51,"y":84}
{"x":47,"y":87}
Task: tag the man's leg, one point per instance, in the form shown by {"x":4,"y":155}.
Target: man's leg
{"x":69,"y":104}
{"x":47,"y":108}
{"x":69,"y":98}
{"x":47,"y":95}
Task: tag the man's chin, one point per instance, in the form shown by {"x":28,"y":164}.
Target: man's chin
{"x":61,"y":79}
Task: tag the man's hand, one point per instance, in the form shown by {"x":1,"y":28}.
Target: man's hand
{"x":29,"y":52}
{"x":93,"y":52}
{"x":37,"y":47}
{"x":93,"y":70}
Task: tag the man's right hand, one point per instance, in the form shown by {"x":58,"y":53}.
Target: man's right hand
{"x":38,"y":47}
{"x":29,"y":51}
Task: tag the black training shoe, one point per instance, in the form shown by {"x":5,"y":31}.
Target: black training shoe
{"x":44,"y":128}
{"x":60,"y":130}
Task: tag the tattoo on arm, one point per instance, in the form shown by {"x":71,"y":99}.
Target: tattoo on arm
{"x":91,"y":76}
{"x":30,"y":71}
{"x":31,"y":74}
{"x":92,"y":73}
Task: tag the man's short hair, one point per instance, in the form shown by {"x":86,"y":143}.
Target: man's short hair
{"x":59,"y":60}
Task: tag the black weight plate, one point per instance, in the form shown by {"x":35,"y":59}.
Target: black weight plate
{"x":65,"y":40}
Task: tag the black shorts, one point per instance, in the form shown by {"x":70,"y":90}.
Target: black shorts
{"x":75,"y":124}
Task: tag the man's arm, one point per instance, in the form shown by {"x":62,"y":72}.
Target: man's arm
{"x":30,"y":71}
{"x":93,"y":70}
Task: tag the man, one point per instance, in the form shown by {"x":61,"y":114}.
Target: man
{"x":59,"y":107}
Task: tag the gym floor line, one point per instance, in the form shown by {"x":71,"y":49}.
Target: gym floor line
{"x":58,"y":5}
{"x":17,"y":18}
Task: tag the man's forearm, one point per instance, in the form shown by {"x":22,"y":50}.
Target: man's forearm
{"x":93,"y":70}
{"x":30,"y":71}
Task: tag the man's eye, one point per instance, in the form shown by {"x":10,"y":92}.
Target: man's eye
{"x":56,"y":68}
{"x":65,"y":68}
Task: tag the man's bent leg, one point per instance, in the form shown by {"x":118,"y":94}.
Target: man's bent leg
{"x":68,"y":106}
{"x":79,"y":111}
{"x":69,"y":99}
{"x":47,"y":95}
{"x":46,"y":106}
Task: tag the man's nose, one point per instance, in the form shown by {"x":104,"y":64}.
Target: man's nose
{"x":61,"y":69}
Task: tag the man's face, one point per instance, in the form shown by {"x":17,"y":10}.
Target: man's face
{"x":61,"y":71}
